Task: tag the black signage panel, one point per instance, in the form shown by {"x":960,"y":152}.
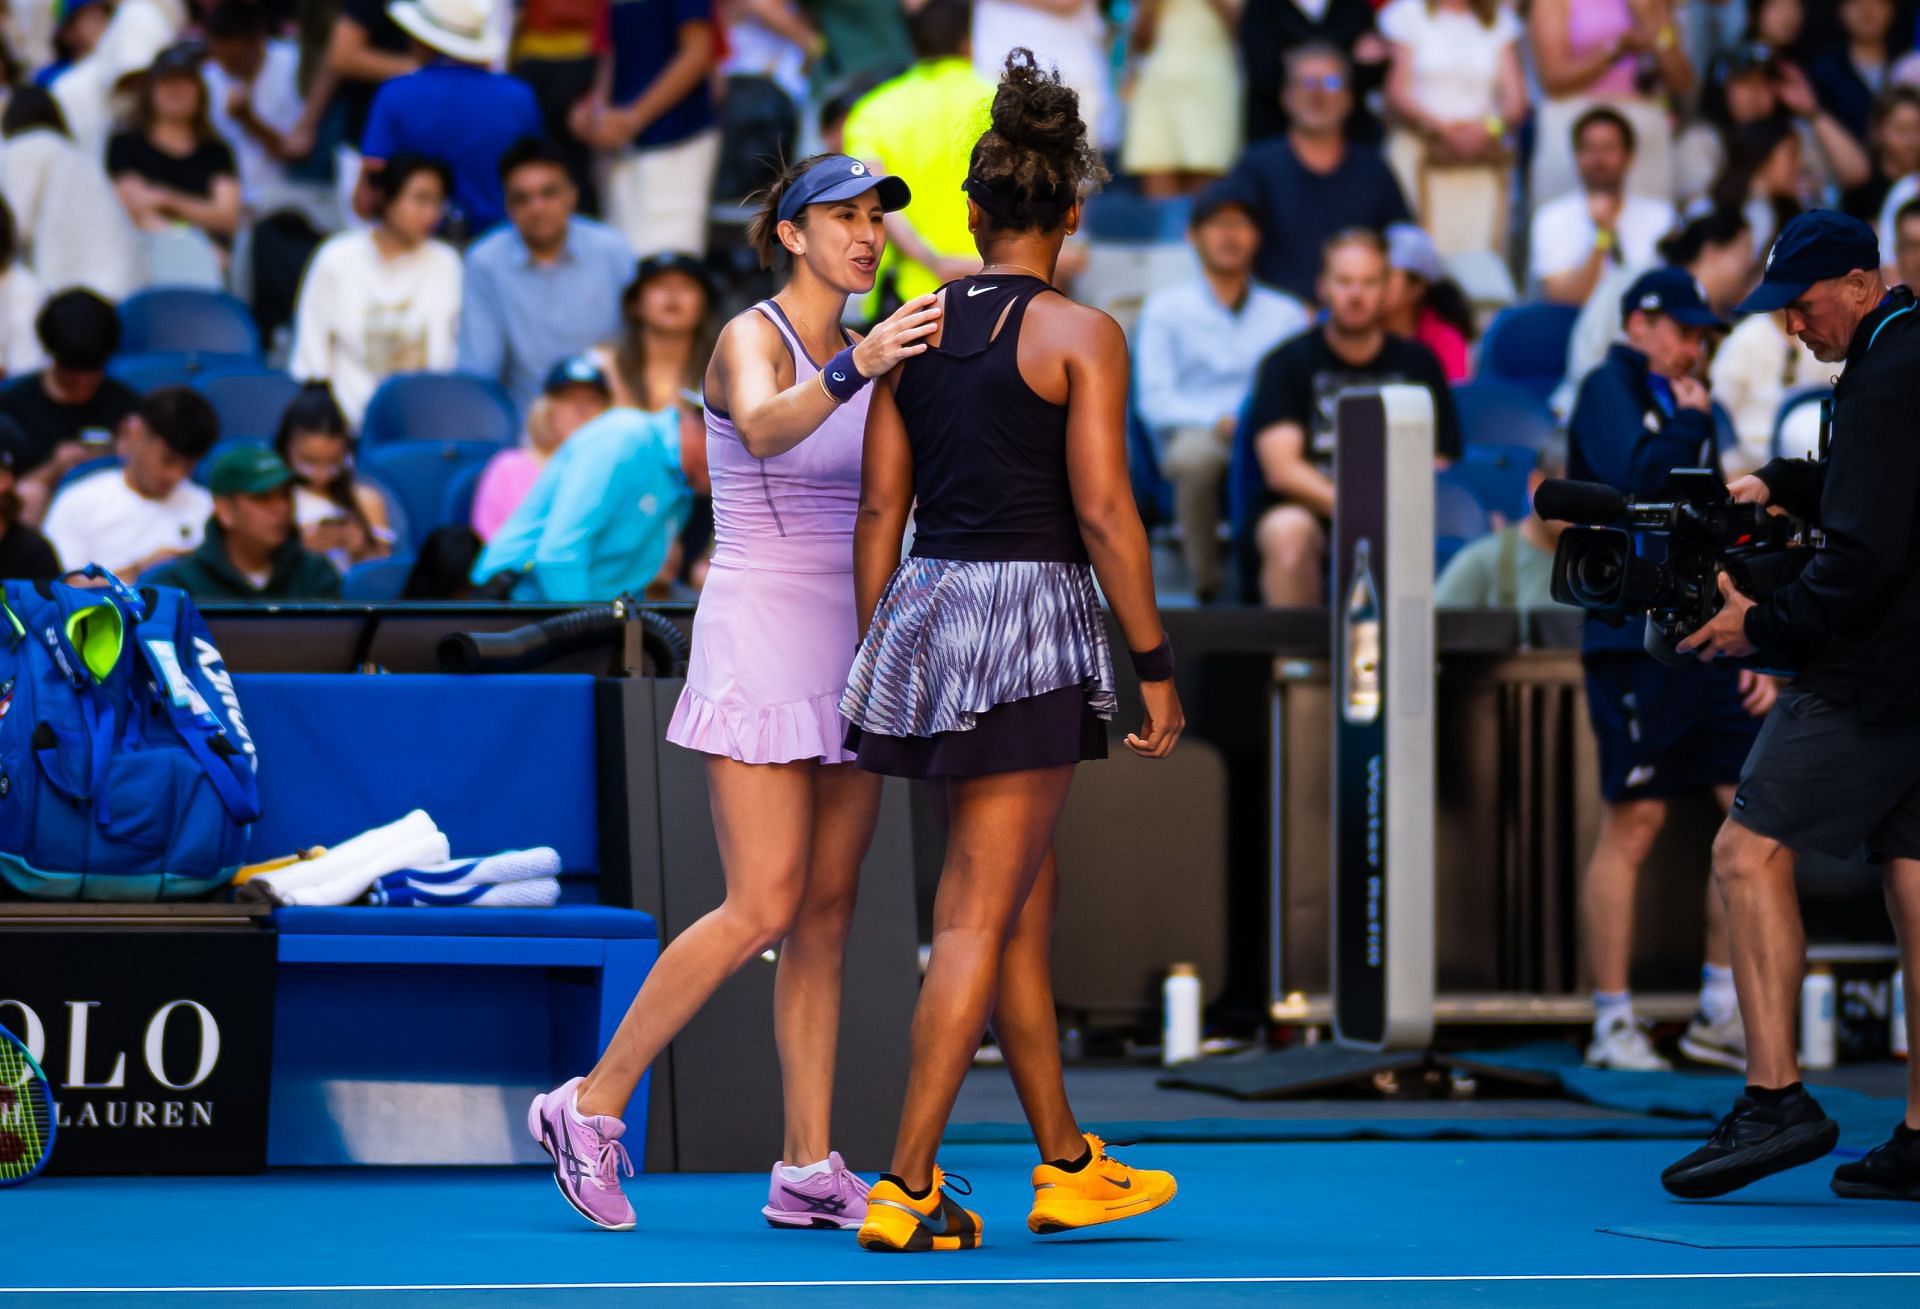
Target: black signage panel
{"x":158,"y":1044}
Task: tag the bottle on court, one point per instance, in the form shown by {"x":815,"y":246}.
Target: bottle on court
{"x":1180,"y":1015}
{"x":1897,"y":1024}
{"x":1818,"y":1043}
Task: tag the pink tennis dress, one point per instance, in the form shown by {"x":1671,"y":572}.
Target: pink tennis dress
{"x":775,"y":632}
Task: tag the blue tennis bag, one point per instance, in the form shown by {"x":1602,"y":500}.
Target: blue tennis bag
{"x":126,"y":771}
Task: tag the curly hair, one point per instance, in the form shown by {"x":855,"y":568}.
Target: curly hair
{"x":1029,"y":167}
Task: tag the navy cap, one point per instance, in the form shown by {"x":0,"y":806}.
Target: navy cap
{"x":182,"y":58}
{"x":1221,"y":193}
{"x":669,"y":261}
{"x":1815,"y":246}
{"x":837,"y":177}
{"x":577,"y":370}
{"x":1673,"y":292}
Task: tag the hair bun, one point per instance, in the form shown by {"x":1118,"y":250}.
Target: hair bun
{"x":1035,"y":110}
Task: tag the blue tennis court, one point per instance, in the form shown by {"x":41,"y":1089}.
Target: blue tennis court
{"x":1333,"y":1223}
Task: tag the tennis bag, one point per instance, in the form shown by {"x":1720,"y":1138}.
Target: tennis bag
{"x":126,"y":771}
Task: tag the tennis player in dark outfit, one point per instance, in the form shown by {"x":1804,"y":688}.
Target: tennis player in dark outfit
{"x":984,"y":664}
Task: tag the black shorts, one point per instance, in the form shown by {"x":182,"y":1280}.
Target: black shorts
{"x":1665,"y":731}
{"x":1820,"y":780}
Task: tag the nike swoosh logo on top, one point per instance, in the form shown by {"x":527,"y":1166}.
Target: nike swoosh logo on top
{"x":935,"y":1222}
{"x":972,"y":291}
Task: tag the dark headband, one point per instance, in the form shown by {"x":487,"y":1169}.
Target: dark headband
{"x":1005,"y":206}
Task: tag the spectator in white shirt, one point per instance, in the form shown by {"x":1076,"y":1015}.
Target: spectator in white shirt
{"x":1195,"y":349}
{"x":72,"y":229}
{"x":382,"y":301}
{"x":145,"y":512}
{"x":1755,"y":368}
{"x":1578,"y":237}
{"x":21,"y":296}
{"x":254,"y":97}
{"x":1715,"y":245}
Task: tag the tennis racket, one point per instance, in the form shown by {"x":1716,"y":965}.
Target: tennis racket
{"x":26,"y":1113}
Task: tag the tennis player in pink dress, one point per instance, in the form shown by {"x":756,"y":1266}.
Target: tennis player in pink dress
{"x":772,"y":642}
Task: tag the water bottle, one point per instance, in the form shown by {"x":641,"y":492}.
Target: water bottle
{"x":1817,"y":1043}
{"x":1180,"y":1015}
{"x":1897,"y":1024}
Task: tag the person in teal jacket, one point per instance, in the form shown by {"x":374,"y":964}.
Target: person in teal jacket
{"x":251,"y":550}
{"x":606,"y":510}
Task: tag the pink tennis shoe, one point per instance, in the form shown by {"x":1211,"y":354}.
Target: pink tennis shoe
{"x":587,"y":1157}
{"x":836,"y":1198}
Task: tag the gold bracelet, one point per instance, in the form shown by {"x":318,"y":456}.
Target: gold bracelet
{"x":821,"y":378}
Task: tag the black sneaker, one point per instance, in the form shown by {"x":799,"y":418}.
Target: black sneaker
{"x":1889,"y":1172}
{"x":1752,"y":1142}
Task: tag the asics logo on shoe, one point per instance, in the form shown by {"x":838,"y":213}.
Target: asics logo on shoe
{"x":562,"y":1152}
{"x":972,"y":291}
{"x":831,"y":1204}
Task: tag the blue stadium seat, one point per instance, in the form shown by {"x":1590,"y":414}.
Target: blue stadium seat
{"x":377,"y":579}
{"x":397,"y":521}
{"x":1151,"y":490}
{"x":153,"y":369}
{"x":1497,"y":476}
{"x":1501,"y":413}
{"x":187,"y":318}
{"x":1458,"y":517}
{"x":458,"y":505}
{"x":1527,"y":346}
{"x":1792,"y":402}
{"x":419,"y":473}
{"x":1124,"y":217}
{"x":85,"y":470}
{"x":250,"y":401}
{"x":439,"y":407}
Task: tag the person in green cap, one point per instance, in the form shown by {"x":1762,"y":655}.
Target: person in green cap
{"x":251,"y":551}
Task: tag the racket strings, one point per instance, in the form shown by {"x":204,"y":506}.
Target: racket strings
{"x":25,"y":1106}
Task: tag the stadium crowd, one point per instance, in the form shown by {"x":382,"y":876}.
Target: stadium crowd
{"x":547,"y":196}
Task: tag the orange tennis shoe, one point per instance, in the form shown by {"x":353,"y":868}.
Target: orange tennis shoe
{"x":1104,"y":1191}
{"x":899,"y":1224}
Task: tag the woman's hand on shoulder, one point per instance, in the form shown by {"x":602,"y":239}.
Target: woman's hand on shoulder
{"x":901,"y":336}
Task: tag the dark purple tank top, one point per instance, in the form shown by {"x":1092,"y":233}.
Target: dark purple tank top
{"x":989,"y":456}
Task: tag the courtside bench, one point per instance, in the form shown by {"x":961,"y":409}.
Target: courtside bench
{"x":418,"y":1035}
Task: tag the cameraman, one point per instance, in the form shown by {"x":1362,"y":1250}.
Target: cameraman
{"x":1837,"y":766}
{"x":1662,"y":731}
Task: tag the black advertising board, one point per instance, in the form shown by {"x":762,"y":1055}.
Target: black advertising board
{"x":158,"y":1043}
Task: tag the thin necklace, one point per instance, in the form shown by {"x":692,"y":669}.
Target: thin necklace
{"x":800,"y":327}
{"x":1018,"y":268}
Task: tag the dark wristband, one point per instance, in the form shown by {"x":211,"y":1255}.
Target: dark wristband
{"x":1155,"y":665}
{"x":840,"y":378}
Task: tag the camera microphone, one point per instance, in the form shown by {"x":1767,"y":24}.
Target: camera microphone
{"x":1593,"y":503}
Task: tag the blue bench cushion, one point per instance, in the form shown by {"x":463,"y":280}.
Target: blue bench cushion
{"x":499,"y":762}
{"x":586,"y":922}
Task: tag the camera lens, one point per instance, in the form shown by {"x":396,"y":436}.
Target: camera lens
{"x":1596,"y":575}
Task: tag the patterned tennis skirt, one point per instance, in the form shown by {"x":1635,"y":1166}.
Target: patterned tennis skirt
{"x":981,"y":667}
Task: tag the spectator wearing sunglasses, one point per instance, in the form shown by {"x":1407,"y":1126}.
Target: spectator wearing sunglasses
{"x":1314,"y":182}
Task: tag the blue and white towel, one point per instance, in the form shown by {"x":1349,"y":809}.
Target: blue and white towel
{"x":521,"y":879}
